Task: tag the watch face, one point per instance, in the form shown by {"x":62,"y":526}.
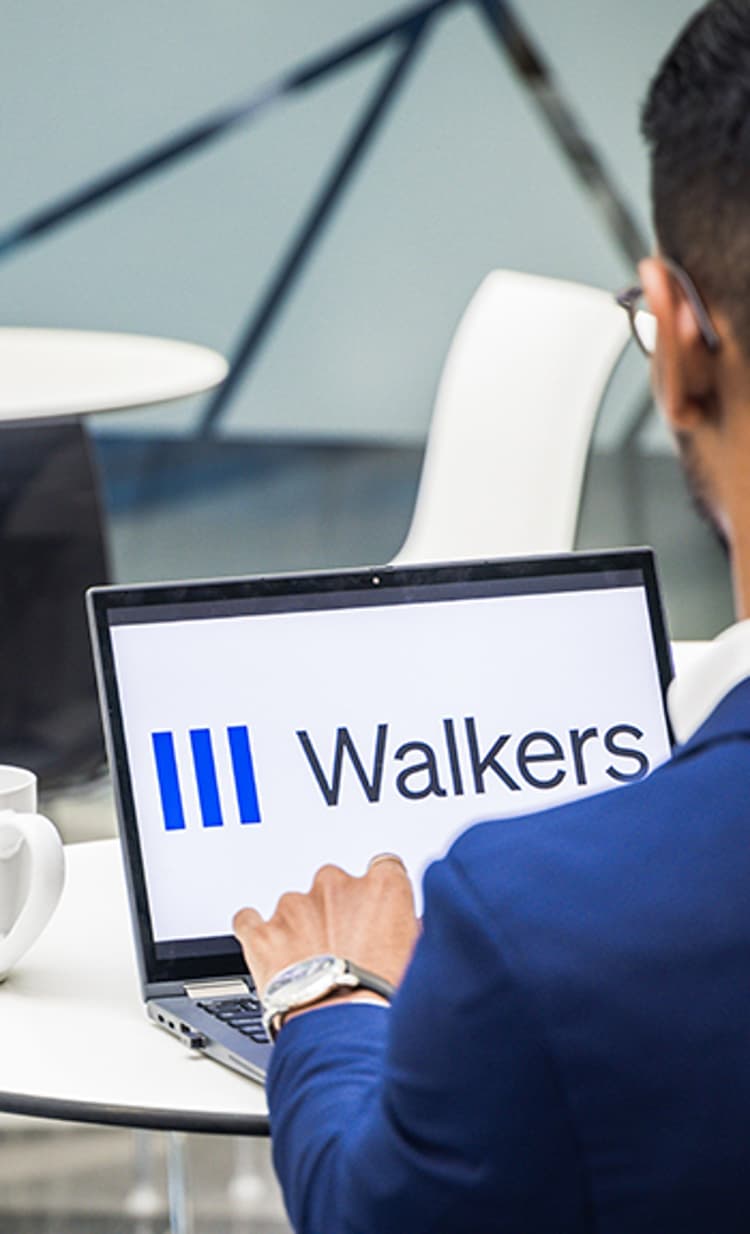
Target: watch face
{"x":304,"y":982}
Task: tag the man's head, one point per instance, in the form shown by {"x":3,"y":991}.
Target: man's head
{"x":696,"y":121}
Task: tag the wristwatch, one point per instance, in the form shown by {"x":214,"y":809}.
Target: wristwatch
{"x":312,"y":981}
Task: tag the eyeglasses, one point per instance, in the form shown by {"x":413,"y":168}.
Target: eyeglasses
{"x":643,"y":322}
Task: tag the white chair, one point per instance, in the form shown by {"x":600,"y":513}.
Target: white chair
{"x":515,"y":408}
{"x":513,"y":418}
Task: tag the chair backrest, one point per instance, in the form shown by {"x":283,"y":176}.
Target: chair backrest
{"x":515,"y":408}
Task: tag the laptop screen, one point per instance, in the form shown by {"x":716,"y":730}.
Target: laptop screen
{"x":260,"y":728}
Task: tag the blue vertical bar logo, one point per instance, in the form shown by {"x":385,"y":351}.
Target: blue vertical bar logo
{"x":244,"y":774}
{"x":206,"y":777}
{"x":169,"y":781}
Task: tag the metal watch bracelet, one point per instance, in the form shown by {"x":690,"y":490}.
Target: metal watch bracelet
{"x":347,"y":976}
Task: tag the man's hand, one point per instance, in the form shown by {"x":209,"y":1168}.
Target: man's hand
{"x":369,"y":920}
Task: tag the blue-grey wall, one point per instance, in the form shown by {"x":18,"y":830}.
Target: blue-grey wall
{"x":463,"y":178}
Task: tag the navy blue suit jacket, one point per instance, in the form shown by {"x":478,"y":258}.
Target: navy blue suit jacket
{"x":570,"y":1049}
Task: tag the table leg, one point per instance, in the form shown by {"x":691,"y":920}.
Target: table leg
{"x":247,"y":1192}
{"x":145,"y":1199}
{"x":180,"y":1214}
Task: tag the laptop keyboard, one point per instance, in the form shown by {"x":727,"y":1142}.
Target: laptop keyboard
{"x":244,"y":1014}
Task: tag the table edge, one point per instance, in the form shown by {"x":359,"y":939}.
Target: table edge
{"x":135,"y":1116}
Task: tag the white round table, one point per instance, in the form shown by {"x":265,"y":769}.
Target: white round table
{"x":51,"y":373}
{"x":76,"y":1041}
{"x":50,"y":379}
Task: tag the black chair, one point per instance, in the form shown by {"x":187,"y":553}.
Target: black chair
{"x":52,"y":547}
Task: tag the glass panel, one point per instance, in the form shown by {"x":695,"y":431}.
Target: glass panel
{"x":58,"y":1178}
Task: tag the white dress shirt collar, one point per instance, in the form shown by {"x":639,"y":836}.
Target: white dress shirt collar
{"x":700,"y":687}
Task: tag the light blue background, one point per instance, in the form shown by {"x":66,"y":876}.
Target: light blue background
{"x":462,"y":179}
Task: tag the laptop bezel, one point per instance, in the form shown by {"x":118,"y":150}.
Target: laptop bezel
{"x":308,"y":589}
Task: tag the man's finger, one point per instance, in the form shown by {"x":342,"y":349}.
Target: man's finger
{"x":246,"y":919}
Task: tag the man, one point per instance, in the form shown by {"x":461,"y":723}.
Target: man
{"x":569,"y":1047}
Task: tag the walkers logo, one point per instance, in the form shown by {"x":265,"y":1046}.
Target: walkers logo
{"x":207,"y":783}
{"x":538,"y":760}
{"x":341,"y":771}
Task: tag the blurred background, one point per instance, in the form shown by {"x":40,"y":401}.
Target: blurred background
{"x":316,"y":460}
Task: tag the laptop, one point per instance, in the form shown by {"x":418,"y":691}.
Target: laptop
{"x":258,"y":728}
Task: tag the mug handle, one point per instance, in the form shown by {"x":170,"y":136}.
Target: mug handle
{"x":38,"y":843}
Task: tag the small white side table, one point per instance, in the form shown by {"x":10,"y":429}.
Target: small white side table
{"x":45,"y":374}
{"x":77,"y":1044}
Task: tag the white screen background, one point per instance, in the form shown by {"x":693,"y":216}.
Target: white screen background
{"x":517,"y":664}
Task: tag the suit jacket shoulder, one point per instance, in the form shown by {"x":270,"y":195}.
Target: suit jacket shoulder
{"x":626,"y":918}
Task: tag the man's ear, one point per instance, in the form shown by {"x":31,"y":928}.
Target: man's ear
{"x":684,"y":377}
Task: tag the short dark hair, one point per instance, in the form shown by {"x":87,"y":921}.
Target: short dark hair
{"x":696,"y":121}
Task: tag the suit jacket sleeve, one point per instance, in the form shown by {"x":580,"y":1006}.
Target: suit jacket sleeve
{"x":443,"y":1113}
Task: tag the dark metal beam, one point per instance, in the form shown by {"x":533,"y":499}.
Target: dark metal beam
{"x":582,"y":155}
{"x":318,"y":216}
{"x":190,"y":139}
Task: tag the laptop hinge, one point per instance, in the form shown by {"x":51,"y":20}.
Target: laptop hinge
{"x":217,"y":989}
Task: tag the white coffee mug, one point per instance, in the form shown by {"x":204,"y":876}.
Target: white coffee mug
{"x":32,"y":866}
